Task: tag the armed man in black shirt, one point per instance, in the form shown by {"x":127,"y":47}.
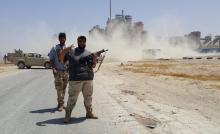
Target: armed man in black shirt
{"x":80,"y":78}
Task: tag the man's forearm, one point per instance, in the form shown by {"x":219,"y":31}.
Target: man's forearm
{"x":94,"y":58}
{"x":94,"y":65}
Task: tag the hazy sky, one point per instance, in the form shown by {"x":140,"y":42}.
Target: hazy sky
{"x":32,"y":23}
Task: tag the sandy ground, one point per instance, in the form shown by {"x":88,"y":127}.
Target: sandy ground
{"x":168,"y":96}
{"x":7,"y":69}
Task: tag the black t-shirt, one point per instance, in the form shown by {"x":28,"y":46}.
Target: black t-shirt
{"x":80,"y":69}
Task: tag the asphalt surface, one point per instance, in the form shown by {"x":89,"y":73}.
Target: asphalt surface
{"x":28,"y":101}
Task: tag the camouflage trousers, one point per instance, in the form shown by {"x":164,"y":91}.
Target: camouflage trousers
{"x":75,"y":87}
{"x":61,"y":81}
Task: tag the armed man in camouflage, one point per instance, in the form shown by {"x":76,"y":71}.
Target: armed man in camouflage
{"x":80,"y":78}
{"x":59,"y":70}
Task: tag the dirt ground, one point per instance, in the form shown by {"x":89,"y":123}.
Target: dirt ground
{"x":168,"y":96}
{"x":7,"y":68}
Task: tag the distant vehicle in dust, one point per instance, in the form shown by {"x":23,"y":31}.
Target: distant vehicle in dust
{"x":31,"y":59}
{"x":27,"y":60}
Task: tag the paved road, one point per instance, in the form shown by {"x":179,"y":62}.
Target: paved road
{"x":28,"y":101}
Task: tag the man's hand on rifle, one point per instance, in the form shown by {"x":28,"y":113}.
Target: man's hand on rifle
{"x":94,"y":58}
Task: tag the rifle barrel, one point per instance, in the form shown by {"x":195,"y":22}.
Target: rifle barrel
{"x":101,"y":51}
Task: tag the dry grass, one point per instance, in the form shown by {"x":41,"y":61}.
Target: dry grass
{"x":194,"y":77}
{"x":160,"y":66}
{"x":159,"y":69}
{"x":3,"y":65}
{"x":7,"y":67}
{"x":215,"y":86}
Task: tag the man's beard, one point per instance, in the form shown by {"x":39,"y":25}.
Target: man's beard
{"x":82,"y":47}
{"x":62,"y":43}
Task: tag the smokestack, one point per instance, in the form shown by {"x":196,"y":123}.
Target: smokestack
{"x":110,"y":8}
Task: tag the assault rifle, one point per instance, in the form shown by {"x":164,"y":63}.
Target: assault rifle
{"x":89,"y":58}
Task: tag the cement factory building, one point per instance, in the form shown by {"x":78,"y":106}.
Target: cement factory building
{"x":121,"y":22}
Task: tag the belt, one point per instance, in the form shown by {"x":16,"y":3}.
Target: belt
{"x":61,"y":70}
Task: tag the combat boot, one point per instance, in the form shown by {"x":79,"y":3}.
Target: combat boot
{"x":90,"y":115}
{"x":67,"y":116}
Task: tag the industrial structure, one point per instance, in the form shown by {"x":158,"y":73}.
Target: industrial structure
{"x":135,"y":30}
{"x":121,"y":22}
{"x":211,"y":45}
{"x":203,"y":45}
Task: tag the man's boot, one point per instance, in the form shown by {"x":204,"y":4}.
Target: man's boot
{"x":90,"y":115}
{"x":67,"y":116}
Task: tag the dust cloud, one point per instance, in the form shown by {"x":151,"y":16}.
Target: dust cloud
{"x":154,"y":44}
